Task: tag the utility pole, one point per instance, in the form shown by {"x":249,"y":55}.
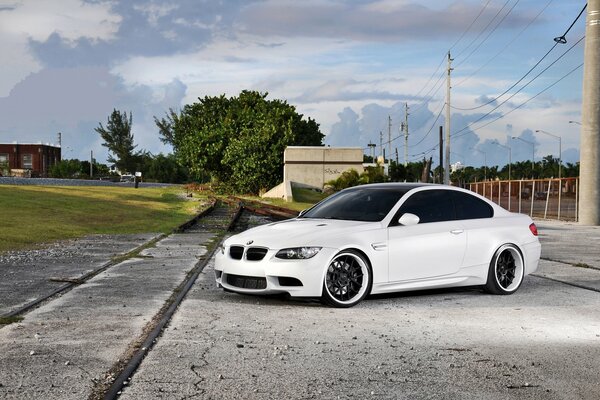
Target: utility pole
{"x":441,"y":153}
{"x":91,"y":163}
{"x":589,"y":176}
{"x":389,"y":137}
{"x":381,"y":146}
{"x":396,"y":156}
{"x":404,"y":128}
{"x":447,"y":165}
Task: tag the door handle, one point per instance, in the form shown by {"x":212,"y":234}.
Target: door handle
{"x":457,"y":231}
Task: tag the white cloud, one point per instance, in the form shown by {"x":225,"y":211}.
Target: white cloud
{"x":71,"y":19}
{"x":28,"y":20}
{"x":154,"y":11}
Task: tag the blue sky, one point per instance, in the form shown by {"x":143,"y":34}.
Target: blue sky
{"x":347,"y":64}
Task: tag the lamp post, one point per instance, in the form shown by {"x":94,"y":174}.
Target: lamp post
{"x":509,"y":155}
{"x":559,"y":147}
{"x":532,"y":153}
{"x":484,"y":162}
{"x":575,"y":122}
{"x":509,"y":166}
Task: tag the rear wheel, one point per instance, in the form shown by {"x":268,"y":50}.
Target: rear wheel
{"x":506,"y":270}
{"x":347,"y":279}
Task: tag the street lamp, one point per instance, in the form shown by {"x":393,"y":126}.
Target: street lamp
{"x":532,"y":153}
{"x":575,"y":122}
{"x":509,"y":155}
{"x":484,"y":162}
{"x":559,"y":148}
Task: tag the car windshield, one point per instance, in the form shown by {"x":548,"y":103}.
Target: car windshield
{"x":368,"y":204}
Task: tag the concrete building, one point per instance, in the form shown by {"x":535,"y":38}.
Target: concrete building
{"x":27,"y":159}
{"x":313,"y":166}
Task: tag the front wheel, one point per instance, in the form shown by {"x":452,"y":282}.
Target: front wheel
{"x":506,"y":270}
{"x":347,"y":279}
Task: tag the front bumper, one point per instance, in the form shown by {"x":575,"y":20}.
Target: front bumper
{"x":299,"y":278}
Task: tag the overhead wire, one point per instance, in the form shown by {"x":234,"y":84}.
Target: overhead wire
{"x":522,"y":87}
{"x":525,"y":75}
{"x":505,"y":46}
{"x":471,"y":25}
{"x":490,"y":33}
{"x":482,"y":30}
{"x":526,"y":101}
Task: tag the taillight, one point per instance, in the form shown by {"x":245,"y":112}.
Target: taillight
{"x":533,"y":229}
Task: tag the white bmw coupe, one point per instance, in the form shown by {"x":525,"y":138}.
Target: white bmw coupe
{"x":383,"y":238}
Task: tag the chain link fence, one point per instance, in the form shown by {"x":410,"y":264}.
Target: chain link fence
{"x":542,"y":198}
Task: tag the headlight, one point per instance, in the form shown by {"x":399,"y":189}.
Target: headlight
{"x":298,"y":253}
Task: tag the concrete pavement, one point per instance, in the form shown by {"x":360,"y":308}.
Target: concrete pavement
{"x":541,"y":343}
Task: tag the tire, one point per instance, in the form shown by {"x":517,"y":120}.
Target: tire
{"x":347,"y":280}
{"x":506,"y":271}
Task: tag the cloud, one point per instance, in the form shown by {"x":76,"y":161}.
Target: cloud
{"x":29,"y":21}
{"x":350,"y":89}
{"x":74,"y":100}
{"x":367,"y":21}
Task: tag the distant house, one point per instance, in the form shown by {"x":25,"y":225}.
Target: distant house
{"x":28,"y":159}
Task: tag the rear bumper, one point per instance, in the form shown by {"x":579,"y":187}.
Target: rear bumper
{"x":531,"y":253}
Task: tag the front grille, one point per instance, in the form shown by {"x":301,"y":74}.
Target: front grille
{"x":236,"y":252}
{"x":256,"y":253}
{"x":247,"y":282}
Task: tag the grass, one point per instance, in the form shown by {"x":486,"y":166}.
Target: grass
{"x":307,"y":196}
{"x":34,"y":215}
{"x":10,"y":320}
{"x":303,"y":199}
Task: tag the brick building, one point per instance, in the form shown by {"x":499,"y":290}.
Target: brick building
{"x":26,"y":159}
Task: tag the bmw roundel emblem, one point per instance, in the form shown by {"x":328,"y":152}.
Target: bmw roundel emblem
{"x":249,"y":242}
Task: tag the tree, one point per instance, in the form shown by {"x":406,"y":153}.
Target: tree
{"x":118,"y":139}
{"x":237,"y":141}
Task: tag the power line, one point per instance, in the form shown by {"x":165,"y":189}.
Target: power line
{"x":505,"y":46}
{"x":469,"y":27}
{"x":430,"y":129}
{"x":483,"y":30}
{"x":440,"y":84}
{"x":432,"y":75}
{"x":527,"y":73}
{"x":488,"y":35}
{"x":523,"y":103}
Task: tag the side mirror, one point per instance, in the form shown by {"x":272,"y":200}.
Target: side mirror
{"x":408,"y":219}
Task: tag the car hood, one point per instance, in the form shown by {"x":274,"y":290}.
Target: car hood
{"x":299,"y":232}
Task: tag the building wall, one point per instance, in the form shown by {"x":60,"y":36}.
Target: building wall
{"x":315,"y":166}
{"x":38,"y":158}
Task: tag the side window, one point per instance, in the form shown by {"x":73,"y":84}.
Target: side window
{"x":430,"y":206}
{"x":470,"y":207}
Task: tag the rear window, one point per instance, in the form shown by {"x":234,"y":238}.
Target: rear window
{"x":470,"y":207}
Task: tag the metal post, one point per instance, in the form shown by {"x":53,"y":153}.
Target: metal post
{"x":405,"y":134}
{"x":547,"y":197}
{"x":447,"y":161}
{"x":442,"y":167}
{"x":532,"y":197}
{"x":520,"y":181}
{"x":590,"y":118}
{"x":559,"y":196}
{"x":389,"y":139}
